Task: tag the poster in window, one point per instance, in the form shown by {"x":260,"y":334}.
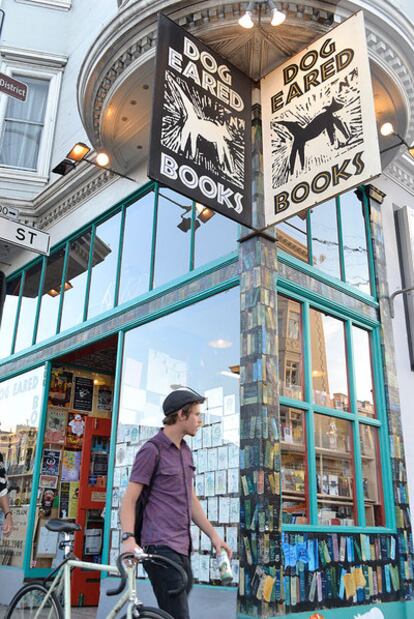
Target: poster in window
{"x":50,"y":462}
{"x":201,"y":124}
{"x":60,"y":387}
{"x":48,"y":481}
{"x":71,"y":462}
{"x":104,"y":398}
{"x":55,"y":426}
{"x":75,"y":430}
{"x":83,"y":397}
{"x":73,"y":499}
{"x":64,"y":500}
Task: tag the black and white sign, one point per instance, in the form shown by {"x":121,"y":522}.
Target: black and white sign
{"x":200,"y":139}
{"x":29,"y":238}
{"x":319,"y":131}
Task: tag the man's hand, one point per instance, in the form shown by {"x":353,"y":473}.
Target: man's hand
{"x":130,"y":545}
{"x":7,"y":524}
{"x":218,"y":544}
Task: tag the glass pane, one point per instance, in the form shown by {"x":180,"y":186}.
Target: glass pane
{"x":136,"y":249}
{"x":363,"y":372}
{"x":371,"y":471}
{"x":335,"y":471}
{"x":290,"y":348}
{"x":292,"y":236}
{"x":325,"y":244}
{"x":49,"y":307}
{"x":28,"y":307}
{"x":20,"y":145}
{"x":173,"y":351}
{"x":214,"y":238}
{"x":294,"y":466}
{"x":23,"y":396}
{"x":329,"y":367}
{"x":172,"y":257}
{"x":355,"y":242}
{"x":104,"y":264}
{"x":9,"y":316}
{"x":75,"y":284}
{"x":34,"y":107}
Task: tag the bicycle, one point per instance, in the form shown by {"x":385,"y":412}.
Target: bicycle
{"x":42,"y":599}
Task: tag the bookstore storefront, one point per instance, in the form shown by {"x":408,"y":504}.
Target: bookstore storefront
{"x":299,"y":463}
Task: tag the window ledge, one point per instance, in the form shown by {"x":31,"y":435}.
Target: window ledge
{"x":309,"y":528}
{"x":62,"y":5}
{"x":11,"y":176}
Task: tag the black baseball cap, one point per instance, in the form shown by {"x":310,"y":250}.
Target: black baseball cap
{"x":179,"y":398}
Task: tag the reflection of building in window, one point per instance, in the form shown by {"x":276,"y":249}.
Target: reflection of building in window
{"x":293,"y":325}
{"x":290,"y":348}
{"x":366,"y":408}
{"x":18,"y":449}
{"x":319,"y":363}
{"x":292,"y":374}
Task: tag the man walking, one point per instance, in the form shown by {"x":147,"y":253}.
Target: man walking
{"x":165,"y":464}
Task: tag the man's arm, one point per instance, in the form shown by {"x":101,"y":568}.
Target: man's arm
{"x":8,"y":521}
{"x":127,"y":514}
{"x":200,"y":519}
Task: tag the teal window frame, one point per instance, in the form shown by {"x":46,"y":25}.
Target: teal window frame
{"x":309,"y":301}
{"x":339,"y":283}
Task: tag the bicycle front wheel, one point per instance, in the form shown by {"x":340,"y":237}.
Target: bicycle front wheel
{"x":148,"y":612}
{"x":28,"y":600}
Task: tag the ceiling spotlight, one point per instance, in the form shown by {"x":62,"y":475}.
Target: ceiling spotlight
{"x":277,"y":16}
{"x":102,"y":159}
{"x":205,"y":214}
{"x":386,"y":129}
{"x":246,"y":20}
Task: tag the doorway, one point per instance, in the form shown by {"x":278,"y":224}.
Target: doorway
{"x":74,"y":461}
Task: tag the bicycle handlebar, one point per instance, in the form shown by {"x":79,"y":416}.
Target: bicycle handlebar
{"x":153,"y":558}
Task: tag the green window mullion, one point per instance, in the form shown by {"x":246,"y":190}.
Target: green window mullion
{"x":359,"y":487}
{"x":120,"y":251}
{"x":39,"y":298}
{"x":340,"y":238}
{"x":384,"y":446}
{"x":112,"y":446}
{"x":62,"y":285}
{"x":370,"y":249}
{"x":154,"y":236}
{"x":192,"y":237}
{"x":309,"y":236}
{"x":309,"y":416}
{"x":89,"y":275}
{"x":19,"y":304}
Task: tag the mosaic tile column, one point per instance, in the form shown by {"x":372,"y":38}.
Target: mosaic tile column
{"x":260,"y":488}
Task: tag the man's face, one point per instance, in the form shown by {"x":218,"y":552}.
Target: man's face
{"x":193,"y":422}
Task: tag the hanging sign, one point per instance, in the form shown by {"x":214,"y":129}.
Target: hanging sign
{"x":29,"y":238}
{"x":13,"y":87}
{"x":201,"y":123}
{"x":319,"y":132}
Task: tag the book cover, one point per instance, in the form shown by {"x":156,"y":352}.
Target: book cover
{"x":75,"y":430}
{"x":82,"y":400}
{"x":71,"y":463}
{"x":104,"y":402}
{"x":60,"y":387}
{"x":50,"y":462}
{"x":55,"y":426}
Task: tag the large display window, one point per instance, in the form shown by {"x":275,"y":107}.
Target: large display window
{"x":198,"y":346}
{"x":20,"y":408}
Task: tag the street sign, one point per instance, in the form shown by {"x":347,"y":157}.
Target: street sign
{"x":12,"y":87}
{"x":9,"y":212}
{"x":29,"y":238}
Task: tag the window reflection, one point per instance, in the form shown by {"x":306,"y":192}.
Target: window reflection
{"x":292,"y":236}
{"x":49,"y":307}
{"x":18,"y":439}
{"x":9,"y":316}
{"x":371,"y":471}
{"x":104,"y":265}
{"x":355,"y":242}
{"x":335,"y":471}
{"x":136,"y":249}
{"x":76,"y":278}
{"x":290,"y":348}
{"x":294,"y":466}
{"x":214,"y":238}
{"x":325,"y":243}
{"x":329,"y":367}
{"x":172,"y":257}
{"x":363,"y":372}
{"x":198,"y":347}
{"x":28,"y":307}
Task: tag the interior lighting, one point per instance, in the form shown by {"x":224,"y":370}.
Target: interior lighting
{"x":246,"y":20}
{"x":54,"y":292}
{"x":278,"y":17}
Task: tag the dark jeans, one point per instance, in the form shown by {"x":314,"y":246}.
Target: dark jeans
{"x":166,"y":578}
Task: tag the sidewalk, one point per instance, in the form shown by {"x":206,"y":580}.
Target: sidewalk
{"x":76,"y":613}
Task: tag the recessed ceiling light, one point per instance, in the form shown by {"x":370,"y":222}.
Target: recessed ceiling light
{"x":124,"y":118}
{"x":139,"y":147}
{"x":133,"y":102}
{"x":145,"y":86}
{"x":220,"y":343}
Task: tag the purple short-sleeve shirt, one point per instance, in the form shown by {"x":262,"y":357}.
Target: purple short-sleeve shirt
{"x":167,"y":515}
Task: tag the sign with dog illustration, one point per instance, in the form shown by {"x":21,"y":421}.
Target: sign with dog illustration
{"x":319,"y":130}
{"x":201,"y":124}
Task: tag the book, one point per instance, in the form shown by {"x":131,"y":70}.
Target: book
{"x":71,"y":463}
{"x":60,"y":387}
{"x":50,"y":462}
{"x":75,"y":429}
{"x":55,"y":426}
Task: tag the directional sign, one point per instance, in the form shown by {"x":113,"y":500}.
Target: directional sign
{"x":12,"y":87}
{"x":29,"y":238}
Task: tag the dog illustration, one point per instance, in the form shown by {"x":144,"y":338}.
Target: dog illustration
{"x":374,"y":613}
{"x":195,"y":126}
{"x":325,"y":121}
